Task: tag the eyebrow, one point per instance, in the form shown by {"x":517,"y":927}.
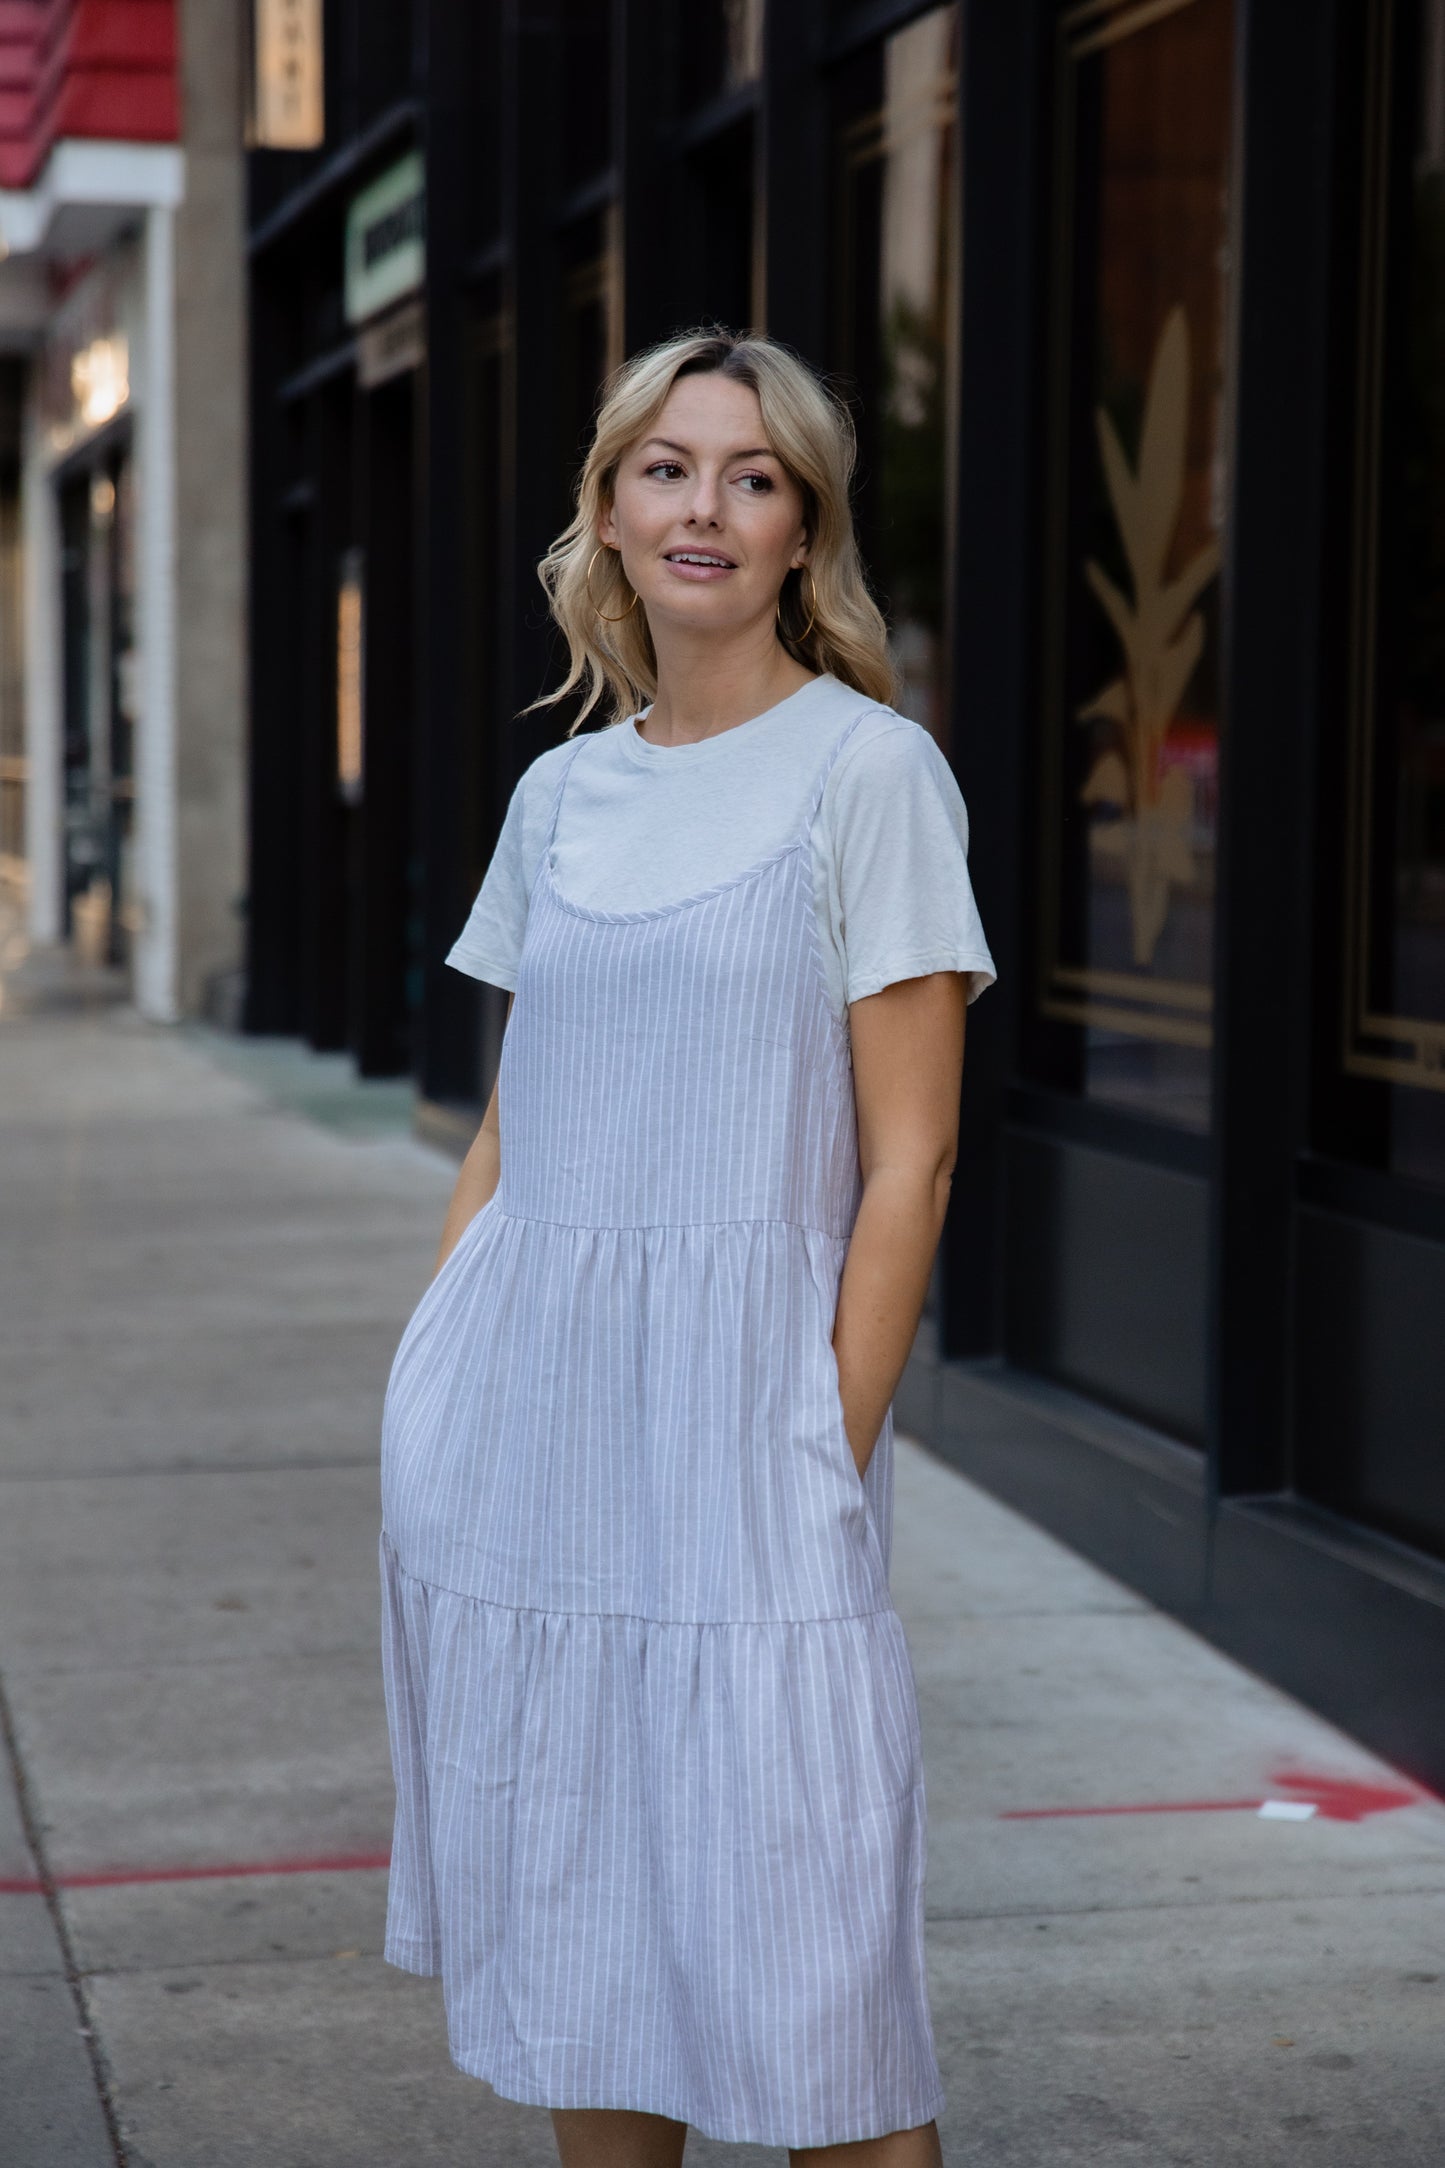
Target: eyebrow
{"x":757,"y":451}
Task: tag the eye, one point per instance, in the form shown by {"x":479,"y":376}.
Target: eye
{"x":668,"y":467}
{"x":764,"y":483}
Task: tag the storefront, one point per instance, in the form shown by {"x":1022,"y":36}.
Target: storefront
{"x":122,"y":549}
{"x":101,"y":797}
{"x":83,"y":450}
{"x":338,"y":561}
{"x":1139,"y":305}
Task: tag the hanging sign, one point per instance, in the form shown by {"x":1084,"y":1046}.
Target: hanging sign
{"x":386,"y":239}
{"x":391,"y":344}
{"x":288,"y":104}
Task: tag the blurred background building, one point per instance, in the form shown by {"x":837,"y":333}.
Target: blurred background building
{"x":1141,"y":304}
{"x":122,"y":485}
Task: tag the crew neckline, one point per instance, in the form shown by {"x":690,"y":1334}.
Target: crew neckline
{"x":645,"y":752}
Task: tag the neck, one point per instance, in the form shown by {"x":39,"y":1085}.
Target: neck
{"x":705,"y":686}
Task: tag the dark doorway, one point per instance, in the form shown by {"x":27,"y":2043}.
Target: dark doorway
{"x":97,"y":598}
{"x":372,"y":604}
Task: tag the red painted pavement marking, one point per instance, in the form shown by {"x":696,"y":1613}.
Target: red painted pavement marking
{"x":1170,"y":1806}
{"x":124,"y":1877}
{"x":1334,"y":1799}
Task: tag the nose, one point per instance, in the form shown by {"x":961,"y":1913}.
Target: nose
{"x":705,"y":503}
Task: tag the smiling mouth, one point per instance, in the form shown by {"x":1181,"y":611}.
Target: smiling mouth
{"x":700,"y":557}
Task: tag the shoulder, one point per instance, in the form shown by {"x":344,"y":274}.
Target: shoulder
{"x":542,"y":775}
{"x":885,"y":742}
{"x":531,"y":805}
{"x":874,"y":739}
{"x":891,"y":772}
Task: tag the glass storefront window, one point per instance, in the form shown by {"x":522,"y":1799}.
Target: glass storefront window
{"x":722,"y":47}
{"x":1395,"y":890}
{"x":590,"y":329}
{"x":584,"y":47}
{"x":716,"y":231}
{"x":898,"y":336}
{"x":1138,"y":487}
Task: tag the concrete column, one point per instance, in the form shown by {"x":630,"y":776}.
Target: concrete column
{"x":156,"y":940}
{"x":211,"y":498}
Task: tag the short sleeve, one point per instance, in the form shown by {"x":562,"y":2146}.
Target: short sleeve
{"x":901,"y":900}
{"x":489,"y":946}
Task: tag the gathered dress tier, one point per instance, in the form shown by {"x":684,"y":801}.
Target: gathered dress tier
{"x":660,"y":1815}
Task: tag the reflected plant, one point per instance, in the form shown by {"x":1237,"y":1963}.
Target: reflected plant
{"x":1162,"y":636}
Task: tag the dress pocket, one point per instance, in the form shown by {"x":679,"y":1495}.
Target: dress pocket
{"x":437,"y":1285}
{"x":839,"y":1423}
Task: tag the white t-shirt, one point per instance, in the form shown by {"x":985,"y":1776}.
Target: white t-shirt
{"x":644,"y":825}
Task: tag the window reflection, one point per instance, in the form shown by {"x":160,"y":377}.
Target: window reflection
{"x":898,"y":288}
{"x":1138,"y":479}
{"x":1395,"y":935}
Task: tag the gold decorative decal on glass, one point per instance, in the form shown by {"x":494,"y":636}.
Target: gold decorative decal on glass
{"x":1137,"y":491}
{"x":1143,"y":804}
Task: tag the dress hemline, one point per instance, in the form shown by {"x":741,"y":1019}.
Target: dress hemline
{"x":521,"y":2095}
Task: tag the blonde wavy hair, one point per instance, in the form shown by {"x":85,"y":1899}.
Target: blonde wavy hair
{"x":811,"y":432}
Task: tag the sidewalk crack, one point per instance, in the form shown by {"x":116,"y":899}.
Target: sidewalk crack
{"x":75,"y":1979}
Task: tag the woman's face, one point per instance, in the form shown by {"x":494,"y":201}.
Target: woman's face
{"x":707,"y":519}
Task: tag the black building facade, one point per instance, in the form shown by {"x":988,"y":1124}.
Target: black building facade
{"x":1141,"y":305}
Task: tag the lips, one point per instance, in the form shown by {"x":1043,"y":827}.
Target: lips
{"x":712,"y":560}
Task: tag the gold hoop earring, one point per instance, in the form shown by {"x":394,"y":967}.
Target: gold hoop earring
{"x":798,"y":638}
{"x":632,"y":605}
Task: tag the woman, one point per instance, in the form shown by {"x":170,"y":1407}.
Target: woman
{"x":660,"y":1807}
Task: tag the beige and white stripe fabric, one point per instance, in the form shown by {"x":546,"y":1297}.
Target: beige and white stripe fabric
{"x":660,"y":1814}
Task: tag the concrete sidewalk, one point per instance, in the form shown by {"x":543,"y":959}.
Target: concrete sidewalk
{"x":209,"y":1255}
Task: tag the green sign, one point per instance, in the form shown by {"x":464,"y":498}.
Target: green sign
{"x":386,"y":239}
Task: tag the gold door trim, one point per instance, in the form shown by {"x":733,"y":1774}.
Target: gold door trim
{"x":1127,"y":17}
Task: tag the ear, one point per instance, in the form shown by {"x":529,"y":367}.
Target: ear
{"x":607,"y":530}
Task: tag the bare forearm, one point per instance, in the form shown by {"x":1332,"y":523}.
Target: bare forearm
{"x":907,"y":1067}
{"x":477,"y":1180}
{"x":885,"y":1280}
{"x":480,"y":1173}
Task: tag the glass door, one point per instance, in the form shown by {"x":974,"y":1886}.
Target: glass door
{"x":1138,"y":499}
{"x":1108,"y":1171}
{"x":897,"y":336}
{"x":896,"y":289}
{"x":1370,"y":1239}
{"x":1394,"y":887}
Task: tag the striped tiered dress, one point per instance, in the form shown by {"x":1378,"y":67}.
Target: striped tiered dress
{"x":660,"y":1815}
